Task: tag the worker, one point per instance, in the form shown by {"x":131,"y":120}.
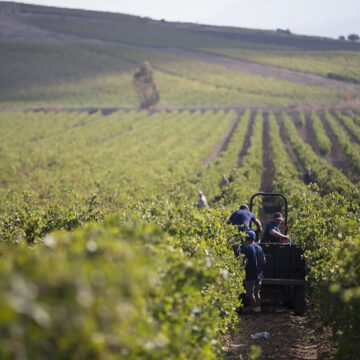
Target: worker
{"x":202,"y":200}
{"x":309,"y":178}
{"x":272,"y":231}
{"x":224,"y":181}
{"x":243,"y":217}
{"x":254,"y":261}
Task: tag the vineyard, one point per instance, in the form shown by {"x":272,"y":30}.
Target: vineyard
{"x":105,"y":253}
{"x":148,"y":274}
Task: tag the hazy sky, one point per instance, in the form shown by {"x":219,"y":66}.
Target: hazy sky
{"x":313,"y":17}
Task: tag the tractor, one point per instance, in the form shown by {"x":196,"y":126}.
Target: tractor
{"x":284,"y":271}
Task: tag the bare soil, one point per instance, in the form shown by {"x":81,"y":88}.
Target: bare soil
{"x":291,"y":337}
{"x":246,"y":144}
{"x":222,"y":145}
{"x":268,"y":165}
{"x":310,"y":135}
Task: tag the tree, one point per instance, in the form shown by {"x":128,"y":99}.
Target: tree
{"x":353,"y":37}
{"x":145,"y":86}
{"x":342,"y":37}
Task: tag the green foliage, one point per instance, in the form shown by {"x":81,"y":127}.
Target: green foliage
{"x":158,"y":278}
{"x":255,"y":352}
{"x":121,"y":289}
{"x":68,"y":75}
{"x":121,"y":157}
{"x":322,"y":139}
{"x":351,"y":150}
{"x":344,"y":63}
{"x":349,"y":124}
{"x":327,"y":228}
{"x":251,"y":88}
{"x":301,"y":119}
{"x":329,"y":178}
{"x":26,"y":223}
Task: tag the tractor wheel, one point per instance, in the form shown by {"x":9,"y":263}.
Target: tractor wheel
{"x":289,"y":297}
{"x":299,"y":301}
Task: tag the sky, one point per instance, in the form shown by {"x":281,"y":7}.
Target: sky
{"x":330,"y":18}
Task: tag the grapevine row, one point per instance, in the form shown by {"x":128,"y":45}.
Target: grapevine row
{"x":322,"y":139}
{"x":329,"y":178}
{"x":326,"y":228}
{"x":351,"y":150}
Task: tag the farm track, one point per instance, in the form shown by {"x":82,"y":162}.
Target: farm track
{"x":267,"y":176}
{"x":310,"y":135}
{"x":246,"y":144}
{"x":291,"y":337}
{"x":289,"y":149}
{"x":268,"y":165}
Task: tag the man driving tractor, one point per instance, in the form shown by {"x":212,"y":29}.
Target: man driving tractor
{"x":272,"y":231}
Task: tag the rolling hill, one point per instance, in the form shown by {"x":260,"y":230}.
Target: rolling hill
{"x":77,"y":58}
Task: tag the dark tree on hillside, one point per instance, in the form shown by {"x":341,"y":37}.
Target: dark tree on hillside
{"x":145,"y":86}
{"x":342,"y":37}
{"x":353,"y":37}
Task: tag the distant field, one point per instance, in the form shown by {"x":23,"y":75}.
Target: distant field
{"x":181,"y":83}
{"x":77,"y":58}
{"x":318,"y":62}
{"x":57,"y":154}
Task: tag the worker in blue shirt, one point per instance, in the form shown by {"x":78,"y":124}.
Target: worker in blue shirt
{"x":272,"y":231}
{"x":243,"y":217}
{"x":254,"y":261}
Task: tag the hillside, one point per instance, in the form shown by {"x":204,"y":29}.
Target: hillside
{"x":67,"y":57}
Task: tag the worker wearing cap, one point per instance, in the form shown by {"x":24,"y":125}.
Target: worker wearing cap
{"x":254,"y":260}
{"x":243,"y":217}
{"x":272,"y":231}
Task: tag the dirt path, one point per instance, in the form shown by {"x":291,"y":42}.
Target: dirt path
{"x":246,"y":144}
{"x":265,"y":70}
{"x":222,"y":145}
{"x":268,"y":165}
{"x":310,"y":135}
{"x":291,"y":337}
